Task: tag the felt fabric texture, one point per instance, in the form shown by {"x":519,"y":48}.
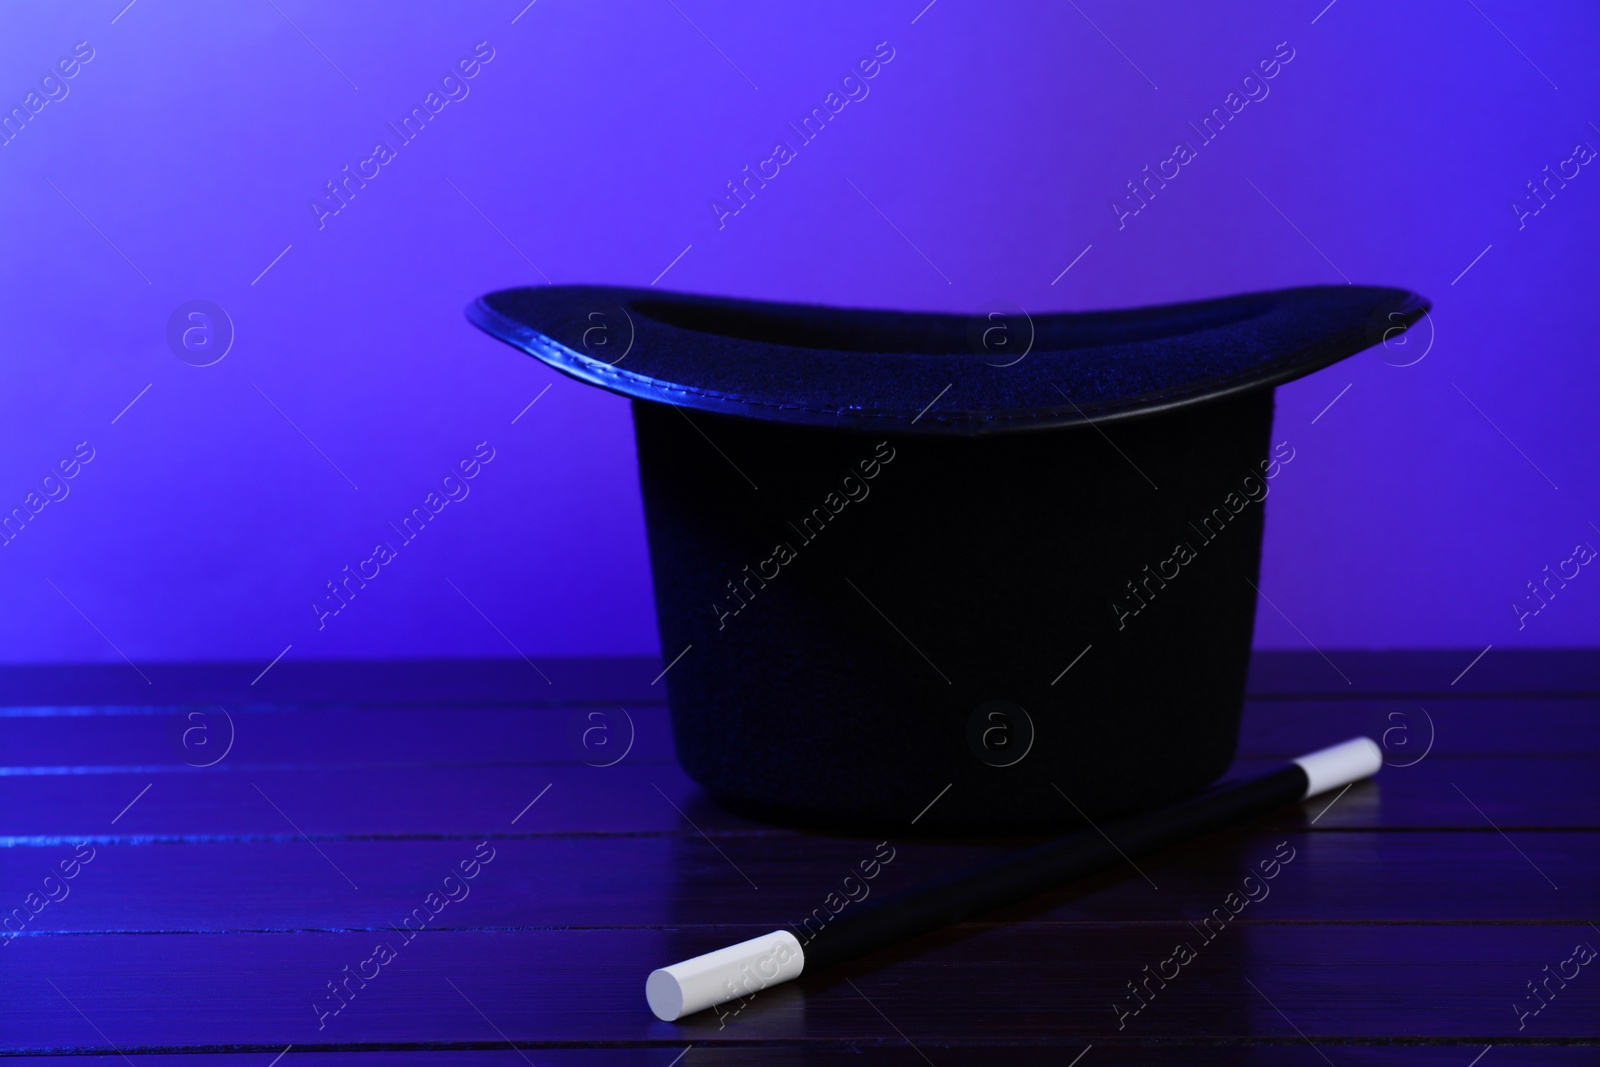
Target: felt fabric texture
{"x":846,"y":634}
{"x":881,"y":369}
{"x":856,"y":560}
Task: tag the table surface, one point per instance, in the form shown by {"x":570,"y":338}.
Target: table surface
{"x":235,"y":849}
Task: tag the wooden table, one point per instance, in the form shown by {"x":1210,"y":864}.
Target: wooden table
{"x":236,"y":849}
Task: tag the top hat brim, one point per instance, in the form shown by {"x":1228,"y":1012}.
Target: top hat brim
{"x":938,"y":373}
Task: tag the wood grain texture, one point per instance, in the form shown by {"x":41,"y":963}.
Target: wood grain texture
{"x":164,"y":738}
{"x":553,"y":987}
{"x":1264,"y":1052}
{"x":221,"y":899}
{"x":348,"y":800}
{"x":1514,"y":673}
{"x":594,"y":881}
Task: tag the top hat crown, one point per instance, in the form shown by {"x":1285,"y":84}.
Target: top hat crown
{"x":1000,"y":561}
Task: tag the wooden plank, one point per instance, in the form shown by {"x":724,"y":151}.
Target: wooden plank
{"x":1545,"y":726}
{"x":1500,"y":671}
{"x":294,"y":735}
{"x":358,"y":801}
{"x":552,"y":680}
{"x":166,"y":737}
{"x":672,"y":880}
{"x":973,"y":984}
{"x":1273,"y":673}
{"x":1441,"y":792}
{"x":892,"y":1052}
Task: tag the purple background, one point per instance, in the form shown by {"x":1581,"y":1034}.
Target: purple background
{"x":1396,"y":141}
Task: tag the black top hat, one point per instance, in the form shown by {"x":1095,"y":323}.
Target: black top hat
{"x":1001,"y":560}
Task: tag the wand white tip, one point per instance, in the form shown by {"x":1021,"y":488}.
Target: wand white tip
{"x":724,"y":975}
{"x":1330,"y":768}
